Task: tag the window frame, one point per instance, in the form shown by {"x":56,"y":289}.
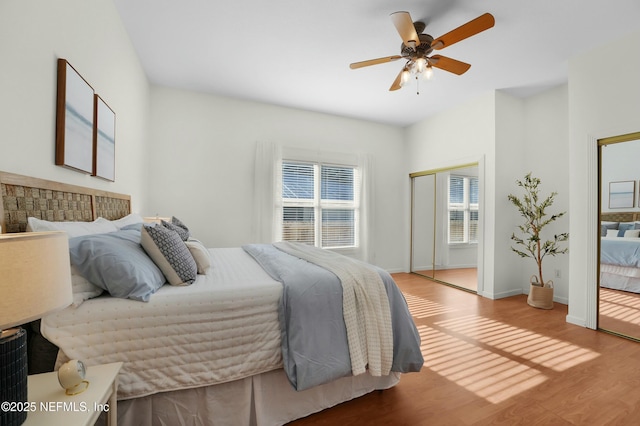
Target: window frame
{"x":466,"y":207}
{"x":319,"y":204}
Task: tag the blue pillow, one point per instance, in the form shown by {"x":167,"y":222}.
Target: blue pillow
{"x":625,"y":227}
{"x":117,"y":263}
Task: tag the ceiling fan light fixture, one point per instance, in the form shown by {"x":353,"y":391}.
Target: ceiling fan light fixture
{"x":420,"y":65}
{"x":405,"y":77}
{"x":428,"y":73}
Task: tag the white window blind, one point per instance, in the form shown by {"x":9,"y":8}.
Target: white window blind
{"x":319,"y":204}
{"x":463,"y":209}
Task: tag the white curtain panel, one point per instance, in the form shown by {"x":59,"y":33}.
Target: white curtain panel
{"x":267,"y":204}
{"x":367,"y":203}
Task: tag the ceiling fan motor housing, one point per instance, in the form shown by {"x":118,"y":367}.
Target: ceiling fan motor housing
{"x":420,"y":51}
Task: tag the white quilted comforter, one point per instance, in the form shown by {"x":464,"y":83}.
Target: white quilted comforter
{"x":222,"y":328}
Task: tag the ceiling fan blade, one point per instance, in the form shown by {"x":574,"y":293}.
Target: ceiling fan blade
{"x":404,"y":25}
{"x":396,"y":83}
{"x":448,"y":64}
{"x":471,"y":28}
{"x":357,"y":65}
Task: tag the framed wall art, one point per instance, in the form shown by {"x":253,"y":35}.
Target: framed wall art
{"x":74,"y":120}
{"x":104,"y":140}
{"x":622,"y":194}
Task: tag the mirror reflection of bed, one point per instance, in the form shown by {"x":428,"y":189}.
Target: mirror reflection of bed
{"x":619,"y":278}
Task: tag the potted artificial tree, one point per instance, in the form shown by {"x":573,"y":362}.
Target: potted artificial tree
{"x":530,"y":244}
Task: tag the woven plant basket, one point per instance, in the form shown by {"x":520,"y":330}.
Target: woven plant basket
{"x":540,"y":297}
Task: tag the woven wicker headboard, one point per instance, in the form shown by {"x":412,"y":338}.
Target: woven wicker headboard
{"x":620,"y":216}
{"x":24,"y":196}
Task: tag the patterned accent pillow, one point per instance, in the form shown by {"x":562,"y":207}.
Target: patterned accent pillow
{"x":166,"y":248}
{"x":178,"y":226}
{"x":184,"y":235}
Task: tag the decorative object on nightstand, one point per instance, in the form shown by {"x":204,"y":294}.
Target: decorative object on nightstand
{"x":35,"y":279}
{"x":71,"y":376}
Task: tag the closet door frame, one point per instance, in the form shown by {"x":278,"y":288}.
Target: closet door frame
{"x":480,"y":166}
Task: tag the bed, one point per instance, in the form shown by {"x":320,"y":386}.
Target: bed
{"x":620,"y":251}
{"x":224,"y":349}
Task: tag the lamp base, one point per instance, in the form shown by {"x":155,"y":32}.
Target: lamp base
{"x":13,"y":375}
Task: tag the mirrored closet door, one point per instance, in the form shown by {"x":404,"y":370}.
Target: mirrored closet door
{"x":444,"y":225}
{"x":619,"y":269}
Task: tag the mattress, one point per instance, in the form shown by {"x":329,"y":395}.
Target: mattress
{"x":222,"y":328}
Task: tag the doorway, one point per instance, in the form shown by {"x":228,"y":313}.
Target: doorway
{"x":445,"y":206}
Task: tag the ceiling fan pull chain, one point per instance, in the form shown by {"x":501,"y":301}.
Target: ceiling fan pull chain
{"x":417,"y":85}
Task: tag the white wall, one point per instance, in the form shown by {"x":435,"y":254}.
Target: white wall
{"x":546,"y":153}
{"x":202,"y":164}
{"x":509,"y":166}
{"x":603,"y":101}
{"x":90,"y":35}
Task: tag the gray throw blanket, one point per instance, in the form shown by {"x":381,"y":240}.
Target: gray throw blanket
{"x":365,"y":307}
{"x":315,"y":347}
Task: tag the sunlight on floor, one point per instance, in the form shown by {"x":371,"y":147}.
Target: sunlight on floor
{"x":423,"y":308}
{"x":494,"y":360}
{"x":487,"y":374}
{"x":621,"y":306}
{"x":550,"y":353}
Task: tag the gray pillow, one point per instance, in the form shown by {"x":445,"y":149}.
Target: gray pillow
{"x":117,"y":263}
{"x":182,"y":232}
{"x":170,"y":253}
{"x":604,"y":226}
{"x":177,"y":226}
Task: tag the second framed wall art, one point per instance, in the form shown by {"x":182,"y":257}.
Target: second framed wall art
{"x":85,"y":126}
{"x":104,"y":143}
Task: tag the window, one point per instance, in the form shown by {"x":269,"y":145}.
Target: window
{"x":319,"y":204}
{"x":463,"y":209}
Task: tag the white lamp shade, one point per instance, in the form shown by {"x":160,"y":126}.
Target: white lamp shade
{"x":35,"y":276}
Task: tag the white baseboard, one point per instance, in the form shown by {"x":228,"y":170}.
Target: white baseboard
{"x":576,"y":321}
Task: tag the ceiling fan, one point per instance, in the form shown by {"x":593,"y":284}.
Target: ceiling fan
{"x":416,"y":48}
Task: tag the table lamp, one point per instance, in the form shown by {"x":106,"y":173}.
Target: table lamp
{"x":35,"y":280}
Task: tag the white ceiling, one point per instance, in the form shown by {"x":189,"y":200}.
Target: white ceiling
{"x":296,"y":53}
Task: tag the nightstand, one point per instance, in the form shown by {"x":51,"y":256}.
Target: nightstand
{"x":51,"y":406}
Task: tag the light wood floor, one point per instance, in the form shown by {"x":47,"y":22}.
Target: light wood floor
{"x":500,"y":362}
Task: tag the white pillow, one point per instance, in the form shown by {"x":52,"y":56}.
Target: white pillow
{"x":632,"y":233}
{"x":73,"y":229}
{"x":130,"y":219}
{"x":82,"y":289}
{"x":612,"y":232}
{"x":200,"y":254}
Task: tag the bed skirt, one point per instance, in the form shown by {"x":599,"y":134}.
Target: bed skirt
{"x":267,"y":399}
